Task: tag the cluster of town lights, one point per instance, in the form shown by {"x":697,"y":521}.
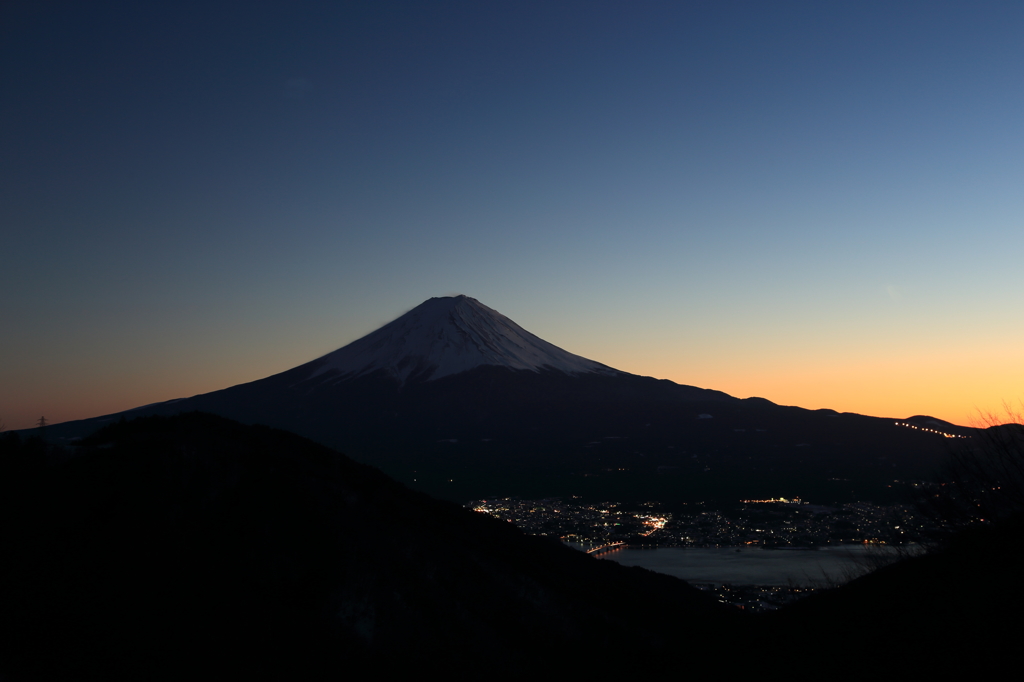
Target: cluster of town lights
{"x":655,"y":522}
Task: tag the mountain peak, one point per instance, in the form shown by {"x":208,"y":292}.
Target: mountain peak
{"x":449,"y":335}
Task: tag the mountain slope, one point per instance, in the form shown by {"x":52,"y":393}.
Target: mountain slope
{"x":458,"y":400}
{"x":951,"y":611}
{"x":175,"y":544}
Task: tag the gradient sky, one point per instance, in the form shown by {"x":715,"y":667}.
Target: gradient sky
{"x":819,"y":203}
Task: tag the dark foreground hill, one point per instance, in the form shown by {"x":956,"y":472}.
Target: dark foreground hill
{"x":193,"y":546}
{"x":955,"y":611}
{"x":168,"y":546}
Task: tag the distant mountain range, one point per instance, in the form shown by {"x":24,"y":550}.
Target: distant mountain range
{"x":458,"y":400}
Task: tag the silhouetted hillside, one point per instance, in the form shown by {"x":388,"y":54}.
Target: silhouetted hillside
{"x":166,"y":548}
{"x":167,"y":542}
{"x":956,"y":610}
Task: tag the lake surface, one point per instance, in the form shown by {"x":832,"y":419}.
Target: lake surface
{"x":755,"y":566}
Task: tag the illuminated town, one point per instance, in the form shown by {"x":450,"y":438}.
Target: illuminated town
{"x":777,"y":523}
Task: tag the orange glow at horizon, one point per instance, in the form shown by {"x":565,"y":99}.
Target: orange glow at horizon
{"x":956,"y":384}
{"x":960,"y":389}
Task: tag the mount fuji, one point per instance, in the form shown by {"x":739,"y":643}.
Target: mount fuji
{"x":458,"y":400}
{"x":446,"y":336}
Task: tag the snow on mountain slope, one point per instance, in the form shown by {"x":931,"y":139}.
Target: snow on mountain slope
{"x":449,"y":335}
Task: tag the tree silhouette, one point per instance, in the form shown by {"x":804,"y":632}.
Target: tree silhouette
{"x":984,"y":478}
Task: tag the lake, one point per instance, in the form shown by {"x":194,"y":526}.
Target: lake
{"x":756,"y":566}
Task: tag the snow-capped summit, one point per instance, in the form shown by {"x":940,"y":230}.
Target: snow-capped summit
{"x":450,"y":335}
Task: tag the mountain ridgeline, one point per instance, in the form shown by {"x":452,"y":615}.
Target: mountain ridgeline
{"x":455,"y":399}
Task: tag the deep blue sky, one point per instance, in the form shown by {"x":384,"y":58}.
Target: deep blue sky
{"x":819,"y":203}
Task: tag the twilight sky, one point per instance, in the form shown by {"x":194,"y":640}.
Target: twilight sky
{"x":818,"y":203}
